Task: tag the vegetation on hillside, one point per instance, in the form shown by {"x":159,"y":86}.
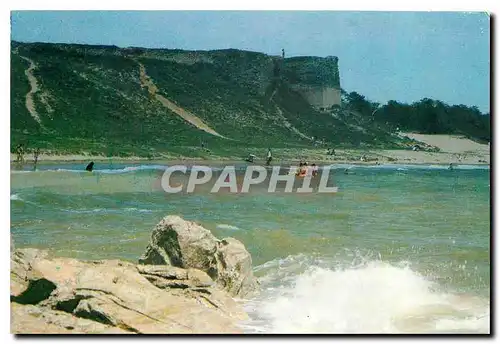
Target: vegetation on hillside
{"x":90,"y":100}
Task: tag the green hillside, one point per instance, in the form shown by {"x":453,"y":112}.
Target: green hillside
{"x":93,"y":99}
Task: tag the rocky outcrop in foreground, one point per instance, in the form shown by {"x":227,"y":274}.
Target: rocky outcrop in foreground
{"x":184,"y":244}
{"x":184,"y":284}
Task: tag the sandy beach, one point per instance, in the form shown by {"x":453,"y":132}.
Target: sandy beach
{"x":453,"y":149}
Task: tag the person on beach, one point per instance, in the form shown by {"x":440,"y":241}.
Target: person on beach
{"x":20,"y":154}
{"x":250,"y":158}
{"x":297,"y":172}
{"x":36,"y":154}
{"x":90,"y":167}
{"x":269,"y":157}
{"x":302,"y":170}
{"x":314,"y":170}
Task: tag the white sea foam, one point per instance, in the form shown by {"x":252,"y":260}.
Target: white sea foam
{"x":107,"y":210}
{"x":410,"y":167}
{"x":15,"y":197}
{"x":126,"y":169}
{"x":374,"y":298}
{"x":400,"y":167}
{"x":229,"y":227}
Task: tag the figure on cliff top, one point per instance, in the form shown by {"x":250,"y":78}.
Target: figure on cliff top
{"x":283,"y":53}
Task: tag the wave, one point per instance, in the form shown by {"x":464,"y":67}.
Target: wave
{"x":106,"y":210}
{"x":126,"y":169}
{"x":20,"y":171}
{"x":405,"y":167}
{"x":224,"y":226}
{"x":375,"y":297}
{"x":16,"y":197}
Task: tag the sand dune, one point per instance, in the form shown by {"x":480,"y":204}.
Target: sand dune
{"x":454,"y":149}
{"x":450,"y":143}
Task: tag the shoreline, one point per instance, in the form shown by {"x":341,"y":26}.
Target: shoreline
{"x":373,"y":158}
{"x":216,"y":163}
{"x":452,"y":150}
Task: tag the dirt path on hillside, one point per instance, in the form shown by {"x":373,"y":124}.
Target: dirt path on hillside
{"x":290,"y":126}
{"x":147,"y":82}
{"x":30,"y":104}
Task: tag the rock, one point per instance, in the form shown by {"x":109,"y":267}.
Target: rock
{"x":36,"y":320}
{"x":181,"y":243}
{"x":163,"y":271}
{"x":115,"y":297}
{"x":235,"y":271}
{"x":167,"y":276}
{"x":22,"y":271}
{"x":185,"y":244}
{"x":199,"y":278}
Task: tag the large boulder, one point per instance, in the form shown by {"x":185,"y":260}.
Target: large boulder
{"x":186,"y":244}
{"x":113,"y":296}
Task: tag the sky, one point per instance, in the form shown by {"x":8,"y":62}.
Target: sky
{"x":403,"y":56}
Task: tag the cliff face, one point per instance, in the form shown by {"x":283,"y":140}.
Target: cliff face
{"x":315,"y":78}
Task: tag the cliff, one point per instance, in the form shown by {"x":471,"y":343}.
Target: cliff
{"x":316,"y":79}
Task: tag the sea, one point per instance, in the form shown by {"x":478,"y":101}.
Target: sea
{"x":397,"y":249}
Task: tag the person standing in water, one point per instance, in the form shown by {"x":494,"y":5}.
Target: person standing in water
{"x":302,"y":169}
{"x":269,"y":157}
{"x":36,"y":154}
{"x":314,"y":170}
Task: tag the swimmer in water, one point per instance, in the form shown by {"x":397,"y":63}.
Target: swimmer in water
{"x":90,"y":167}
{"x":302,"y":169}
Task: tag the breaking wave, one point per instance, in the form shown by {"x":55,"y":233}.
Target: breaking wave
{"x":375,"y":297}
{"x":225,"y":226}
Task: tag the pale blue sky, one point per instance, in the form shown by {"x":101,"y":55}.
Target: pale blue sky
{"x":403,"y":56}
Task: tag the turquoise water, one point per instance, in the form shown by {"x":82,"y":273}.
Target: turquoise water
{"x":397,"y":249}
